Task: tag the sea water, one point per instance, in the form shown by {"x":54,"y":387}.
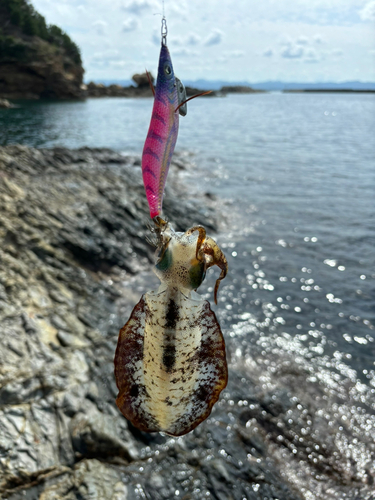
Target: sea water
{"x":294,"y":175}
{"x":297,"y":174}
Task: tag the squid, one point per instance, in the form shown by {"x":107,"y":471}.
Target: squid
{"x":170,"y":363}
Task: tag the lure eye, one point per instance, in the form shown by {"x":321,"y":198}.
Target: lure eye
{"x":167,"y":69}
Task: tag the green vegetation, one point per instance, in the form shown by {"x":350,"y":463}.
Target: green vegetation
{"x":58,"y":37}
{"x":22,"y":14}
{"x":10,"y":48}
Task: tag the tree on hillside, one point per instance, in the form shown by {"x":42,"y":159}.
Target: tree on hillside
{"x":22,"y":14}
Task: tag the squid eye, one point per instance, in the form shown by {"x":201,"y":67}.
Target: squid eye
{"x":167,"y":69}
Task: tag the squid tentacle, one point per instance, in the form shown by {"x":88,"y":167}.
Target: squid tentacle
{"x":209,"y":252}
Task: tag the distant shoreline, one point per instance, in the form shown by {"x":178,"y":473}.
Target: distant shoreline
{"x":93,"y":90}
{"x":101,"y":90}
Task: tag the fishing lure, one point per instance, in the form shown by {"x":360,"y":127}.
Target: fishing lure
{"x":169,"y":102}
{"x":170,"y":364}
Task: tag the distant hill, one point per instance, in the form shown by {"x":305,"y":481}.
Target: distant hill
{"x":36,"y":60}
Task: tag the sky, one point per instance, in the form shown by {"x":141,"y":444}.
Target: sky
{"x":232,"y":40}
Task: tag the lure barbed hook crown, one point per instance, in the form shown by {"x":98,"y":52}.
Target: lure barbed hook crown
{"x":164,"y":31}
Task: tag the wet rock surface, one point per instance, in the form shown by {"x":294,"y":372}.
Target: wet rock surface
{"x":72,"y":233}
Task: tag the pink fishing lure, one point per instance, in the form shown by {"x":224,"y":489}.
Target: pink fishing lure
{"x":162,"y":134}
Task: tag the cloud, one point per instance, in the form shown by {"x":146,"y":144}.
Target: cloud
{"x":177,"y":41}
{"x":221,"y":59}
{"x":268,"y":53}
{"x":302,"y":40}
{"x":100,"y":27}
{"x":304,"y":49}
{"x":311,"y":56}
{"x":107,"y":55}
{"x":178,"y":9}
{"x":292,"y":51}
{"x":214,"y":38}
{"x":229,"y":54}
{"x":105,"y":58}
{"x":235,"y":53}
{"x":130,"y":24}
{"x":183,"y":51}
{"x":156,"y":38}
{"x":120,"y":64}
{"x":337,"y":52}
{"x":136,"y":7}
{"x":318,"y":39}
{"x":193,"y":39}
{"x":368,"y":12}
{"x":111,"y":60}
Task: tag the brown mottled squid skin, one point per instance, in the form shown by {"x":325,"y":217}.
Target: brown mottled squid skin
{"x":170,"y":364}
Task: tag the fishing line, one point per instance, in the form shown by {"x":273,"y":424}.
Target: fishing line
{"x":158,"y":13}
{"x":164,"y":29}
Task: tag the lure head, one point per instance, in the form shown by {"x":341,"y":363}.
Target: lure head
{"x":166,"y":78}
{"x":182,"y":259}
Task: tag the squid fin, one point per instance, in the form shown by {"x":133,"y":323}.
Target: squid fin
{"x":155,"y":394}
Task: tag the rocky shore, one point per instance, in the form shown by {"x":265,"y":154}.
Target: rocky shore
{"x":72,"y":248}
{"x":142,"y":89}
{"x":240,"y":89}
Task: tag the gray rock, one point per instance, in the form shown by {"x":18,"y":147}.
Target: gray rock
{"x":96,"y":481}
{"x":4,"y":103}
{"x":72,"y":240}
{"x":103,"y":436}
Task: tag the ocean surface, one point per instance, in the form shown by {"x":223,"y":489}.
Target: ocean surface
{"x":295,"y":175}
